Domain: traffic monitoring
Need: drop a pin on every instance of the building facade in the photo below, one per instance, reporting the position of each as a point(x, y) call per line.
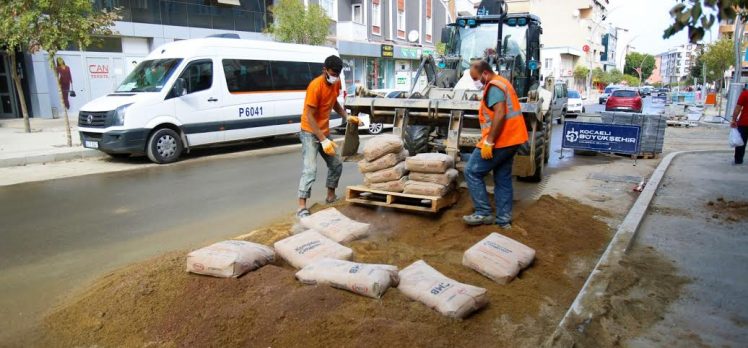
point(656, 76)
point(381, 41)
point(676, 63)
point(573, 35)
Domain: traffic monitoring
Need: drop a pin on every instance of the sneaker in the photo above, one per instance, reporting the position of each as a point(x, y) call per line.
point(505, 226)
point(302, 213)
point(476, 220)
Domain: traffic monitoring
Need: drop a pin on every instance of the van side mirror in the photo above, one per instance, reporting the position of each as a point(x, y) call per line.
point(179, 89)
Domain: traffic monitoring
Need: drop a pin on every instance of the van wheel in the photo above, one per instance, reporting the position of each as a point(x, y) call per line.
point(164, 146)
point(376, 128)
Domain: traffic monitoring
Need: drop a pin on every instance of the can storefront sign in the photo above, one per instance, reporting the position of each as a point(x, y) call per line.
point(388, 51)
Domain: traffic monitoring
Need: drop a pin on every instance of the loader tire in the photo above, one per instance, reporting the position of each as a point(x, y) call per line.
point(417, 139)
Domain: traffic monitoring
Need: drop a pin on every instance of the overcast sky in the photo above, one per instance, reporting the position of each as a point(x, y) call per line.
point(646, 20)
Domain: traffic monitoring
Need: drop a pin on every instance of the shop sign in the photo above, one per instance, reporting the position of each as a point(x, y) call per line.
point(601, 137)
point(98, 71)
point(388, 51)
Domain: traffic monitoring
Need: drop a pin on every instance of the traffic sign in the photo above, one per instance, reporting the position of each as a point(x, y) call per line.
point(586, 48)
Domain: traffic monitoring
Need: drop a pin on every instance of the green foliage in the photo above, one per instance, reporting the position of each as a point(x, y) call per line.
point(697, 67)
point(52, 25)
point(598, 75)
point(718, 57)
point(657, 84)
point(295, 24)
point(441, 48)
point(635, 60)
point(581, 72)
point(690, 14)
point(631, 80)
point(613, 76)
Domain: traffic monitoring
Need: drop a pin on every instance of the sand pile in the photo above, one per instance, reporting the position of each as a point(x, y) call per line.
point(157, 303)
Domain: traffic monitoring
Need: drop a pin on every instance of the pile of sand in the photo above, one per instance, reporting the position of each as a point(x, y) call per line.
point(732, 211)
point(157, 303)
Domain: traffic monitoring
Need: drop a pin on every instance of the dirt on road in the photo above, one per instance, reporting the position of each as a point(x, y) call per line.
point(156, 303)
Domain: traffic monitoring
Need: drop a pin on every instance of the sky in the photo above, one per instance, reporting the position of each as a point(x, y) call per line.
point(646, 20)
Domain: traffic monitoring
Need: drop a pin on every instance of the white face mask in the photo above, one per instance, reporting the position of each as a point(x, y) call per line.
point(332, 79)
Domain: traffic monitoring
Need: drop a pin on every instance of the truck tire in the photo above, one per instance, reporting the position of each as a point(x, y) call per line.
point(540, 154)
point(164, 146)
point(417, 139)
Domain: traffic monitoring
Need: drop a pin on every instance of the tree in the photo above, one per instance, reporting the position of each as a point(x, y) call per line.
point(718, 57)
point(613, 76)
point(295, 24)
point(696, 70)
point(693, 17)
point(599, 76)
point(631, 80)
point(636, 60)
point(50, 25)
point(581, 72)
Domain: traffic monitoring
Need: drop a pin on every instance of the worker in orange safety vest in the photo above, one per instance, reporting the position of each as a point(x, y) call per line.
point(503, 132)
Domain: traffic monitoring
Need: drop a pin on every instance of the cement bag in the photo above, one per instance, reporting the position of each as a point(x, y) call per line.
point(430, 163)
point(306, 247)
point(499, 258)
point(230, 258)
point(385, 175)
point(442, 179)
point(334, 225)
point(422, 283)
point(381, 145)
point(425, 188)
point(364, 279)
point(387, 161)
point(390, 186)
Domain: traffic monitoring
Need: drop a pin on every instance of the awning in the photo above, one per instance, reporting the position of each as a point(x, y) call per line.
point(230, 2)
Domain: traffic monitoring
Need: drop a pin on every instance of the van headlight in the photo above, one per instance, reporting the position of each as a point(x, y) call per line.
point(119, 115)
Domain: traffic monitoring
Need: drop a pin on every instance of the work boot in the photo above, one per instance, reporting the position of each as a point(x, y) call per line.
point(477, 220)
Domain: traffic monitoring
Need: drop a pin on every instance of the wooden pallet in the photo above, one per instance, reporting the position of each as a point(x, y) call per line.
point(430, 204)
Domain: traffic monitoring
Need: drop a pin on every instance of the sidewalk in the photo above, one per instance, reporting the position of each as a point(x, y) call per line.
point(45, 143)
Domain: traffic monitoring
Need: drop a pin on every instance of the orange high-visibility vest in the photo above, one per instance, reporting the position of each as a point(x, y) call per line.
point(513, 131)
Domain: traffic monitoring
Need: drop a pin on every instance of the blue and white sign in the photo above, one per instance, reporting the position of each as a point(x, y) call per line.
point(601, 137)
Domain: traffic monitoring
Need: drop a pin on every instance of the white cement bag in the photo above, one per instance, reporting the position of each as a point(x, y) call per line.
point(387, 161)
point(422, 283)
point(230, 258)
point(442, 179)
point(385, 175)
point(370, 280)
point(430, 163)
point(332, 224)
point(306, 247)
point(425, 189)
point(381, 145)
point(390, 186)
point(499, 258)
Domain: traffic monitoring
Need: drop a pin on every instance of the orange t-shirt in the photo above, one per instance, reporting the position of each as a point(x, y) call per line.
point(322, 96)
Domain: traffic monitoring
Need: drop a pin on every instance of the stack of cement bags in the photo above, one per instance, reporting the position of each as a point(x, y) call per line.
point(431, 174)
point(383, 165)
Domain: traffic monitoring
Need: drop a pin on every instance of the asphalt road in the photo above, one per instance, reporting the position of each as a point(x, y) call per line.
point(58, 235)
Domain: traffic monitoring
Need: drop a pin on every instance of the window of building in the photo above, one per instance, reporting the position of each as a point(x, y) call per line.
point(198, 76)
point(329, 7)
point(548, 63)
point(401, 19)
point(429, 22)
point(358, 14)
point(376, 17)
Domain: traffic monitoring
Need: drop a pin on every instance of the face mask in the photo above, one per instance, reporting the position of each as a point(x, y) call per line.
point(332, 79)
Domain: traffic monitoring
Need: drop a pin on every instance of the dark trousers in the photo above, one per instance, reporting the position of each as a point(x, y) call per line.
point(740, 150)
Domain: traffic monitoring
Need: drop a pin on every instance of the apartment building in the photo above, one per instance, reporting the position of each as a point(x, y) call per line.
point(145, 24)
point(656, 76)
point(381, 41)
point(727, 31)
point(676, 63)
point(574, 33)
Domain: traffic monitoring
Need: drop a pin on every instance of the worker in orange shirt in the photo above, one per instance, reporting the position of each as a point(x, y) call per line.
point(321, 97)
point(503, 131)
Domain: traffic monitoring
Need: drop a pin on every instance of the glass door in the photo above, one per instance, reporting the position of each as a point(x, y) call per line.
point(7, 93)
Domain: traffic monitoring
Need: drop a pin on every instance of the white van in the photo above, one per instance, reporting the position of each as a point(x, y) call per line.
point(204, 91)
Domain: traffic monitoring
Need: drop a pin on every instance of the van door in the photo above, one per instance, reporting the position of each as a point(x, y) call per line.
point(559, 100)
point(197, 108)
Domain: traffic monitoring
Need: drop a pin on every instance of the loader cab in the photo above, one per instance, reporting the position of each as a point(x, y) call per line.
point(512, 47)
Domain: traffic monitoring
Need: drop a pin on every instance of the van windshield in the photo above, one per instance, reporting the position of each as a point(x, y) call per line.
point(149, 76)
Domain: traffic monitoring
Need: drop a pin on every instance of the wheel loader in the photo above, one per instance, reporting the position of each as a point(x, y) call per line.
point(443, 117)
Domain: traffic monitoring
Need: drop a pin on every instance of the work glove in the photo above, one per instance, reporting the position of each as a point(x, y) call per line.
point(486, 151)
point(356, 120)
point(329, 147)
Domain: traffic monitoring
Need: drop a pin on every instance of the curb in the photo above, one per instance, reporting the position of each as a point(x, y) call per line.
point(50, 157)
point(89, 153)
point(580, 313)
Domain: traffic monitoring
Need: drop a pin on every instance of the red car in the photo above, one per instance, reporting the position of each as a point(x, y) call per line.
point(627, 100)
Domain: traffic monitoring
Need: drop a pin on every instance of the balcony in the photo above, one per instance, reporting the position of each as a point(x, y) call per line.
point(351, 31)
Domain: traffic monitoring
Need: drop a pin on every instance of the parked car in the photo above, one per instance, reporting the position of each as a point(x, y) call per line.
point(201, 92)
point(660, 92)
point(646, 91)
point(606, 93)
point(625, 99)
point(558, 103)
point(574, 103)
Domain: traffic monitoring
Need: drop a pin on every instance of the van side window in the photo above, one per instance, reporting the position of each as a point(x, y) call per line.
point(290, 76)
point(198, 76)
point(247, 75)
